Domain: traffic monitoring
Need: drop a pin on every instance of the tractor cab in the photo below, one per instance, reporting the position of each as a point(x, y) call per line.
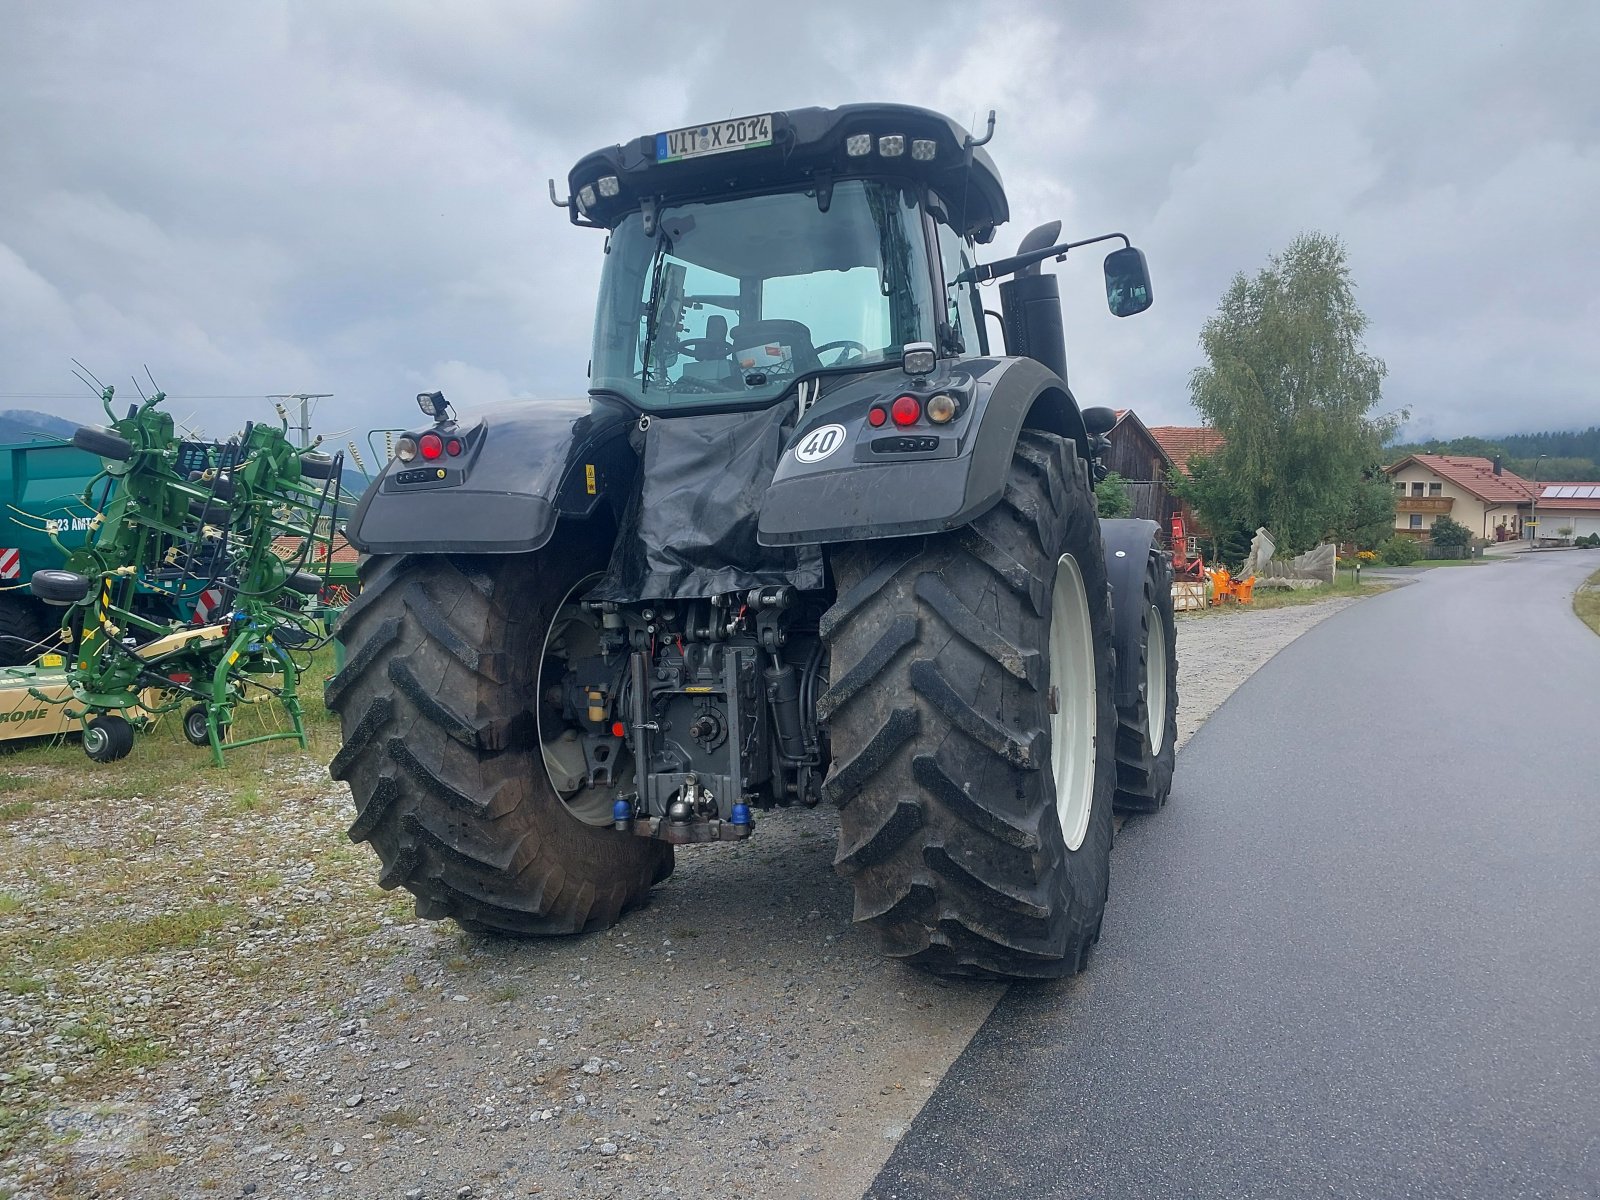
point(744, 255)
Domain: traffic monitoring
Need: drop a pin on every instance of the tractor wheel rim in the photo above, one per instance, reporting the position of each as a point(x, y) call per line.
point(1077, 713)
point(1155, 678)
point(592, 806)
point(94, 740)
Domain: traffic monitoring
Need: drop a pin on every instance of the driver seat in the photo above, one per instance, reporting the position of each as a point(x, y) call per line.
point(754, 345)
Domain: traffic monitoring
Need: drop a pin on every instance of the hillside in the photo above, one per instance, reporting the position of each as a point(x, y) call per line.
point(1567, 455)
point(26, 425)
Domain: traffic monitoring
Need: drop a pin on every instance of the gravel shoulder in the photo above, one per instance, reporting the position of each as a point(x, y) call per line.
point(203, 993)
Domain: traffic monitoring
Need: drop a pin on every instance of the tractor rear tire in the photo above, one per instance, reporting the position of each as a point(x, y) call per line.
point(437, 703)
point(958, 662)
point(24, 626)
point(1147, 731)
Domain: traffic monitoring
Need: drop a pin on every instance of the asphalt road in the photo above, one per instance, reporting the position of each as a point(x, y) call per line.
point(1357, 955)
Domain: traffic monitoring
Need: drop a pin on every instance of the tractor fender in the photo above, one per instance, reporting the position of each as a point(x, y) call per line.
point(1128, 546)
point(840, 479)
point(523, 467)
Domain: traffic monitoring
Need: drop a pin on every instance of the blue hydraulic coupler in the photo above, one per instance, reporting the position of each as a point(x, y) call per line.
point(622, 815)
point(741, 815)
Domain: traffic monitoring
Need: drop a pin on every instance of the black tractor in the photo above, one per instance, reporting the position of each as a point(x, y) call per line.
point(811, 537)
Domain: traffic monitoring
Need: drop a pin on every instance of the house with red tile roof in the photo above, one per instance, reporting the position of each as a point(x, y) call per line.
point(1573, 506)
point(1476, 492)
point(1181, 442)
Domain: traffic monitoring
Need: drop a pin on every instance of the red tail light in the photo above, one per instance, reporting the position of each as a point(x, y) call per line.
point(906, 410)
point(431, 445)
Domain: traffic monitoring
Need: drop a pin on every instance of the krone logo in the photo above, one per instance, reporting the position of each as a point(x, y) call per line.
point(819, 443)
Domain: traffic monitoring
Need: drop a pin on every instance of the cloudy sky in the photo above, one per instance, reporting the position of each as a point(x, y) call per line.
point(350, 197)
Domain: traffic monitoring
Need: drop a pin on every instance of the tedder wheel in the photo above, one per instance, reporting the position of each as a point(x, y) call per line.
point(316, 466)
point(107, 443)
point(438, 700)
point(307, 583)
point(972, 719)
point(107, 738)
point(60, 588)
point(195, 727)
point(1147, 731)
point(24, 627)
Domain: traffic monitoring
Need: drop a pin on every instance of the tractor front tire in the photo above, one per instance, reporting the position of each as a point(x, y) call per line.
point(437, 703)
point(971, 713)
point(1147, 730)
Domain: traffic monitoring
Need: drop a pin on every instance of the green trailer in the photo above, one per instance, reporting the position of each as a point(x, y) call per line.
point(41, 481)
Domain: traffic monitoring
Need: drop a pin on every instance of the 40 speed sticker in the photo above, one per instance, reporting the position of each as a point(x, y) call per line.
point(819, 443)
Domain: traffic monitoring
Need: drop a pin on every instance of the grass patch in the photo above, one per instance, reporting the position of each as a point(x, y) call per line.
point(16, 810)
point(1344, 585)
point(9, 904)
point(1265, 598)
point(1455, 562)
point(152, 935)
point(13, 783)
point(15, 983)
point(1586, 602)
point(114, 1053)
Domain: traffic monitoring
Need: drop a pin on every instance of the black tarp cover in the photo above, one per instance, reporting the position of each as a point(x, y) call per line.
point(691, 529)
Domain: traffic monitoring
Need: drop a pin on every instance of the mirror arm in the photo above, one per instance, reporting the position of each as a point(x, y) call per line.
point(984, 272)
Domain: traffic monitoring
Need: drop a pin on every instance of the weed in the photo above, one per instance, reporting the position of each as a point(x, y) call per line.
point(15, 983)
point(16, 810)
point(400, 1118)
point(123, 938)
point(505, 993)
point(10, 904)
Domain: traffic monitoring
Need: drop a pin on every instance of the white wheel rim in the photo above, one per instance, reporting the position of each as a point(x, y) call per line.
point(1072, 689)
point(1155, 678)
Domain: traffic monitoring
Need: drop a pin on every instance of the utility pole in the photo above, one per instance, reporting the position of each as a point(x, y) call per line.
point(305, 399)
point(1533, 518)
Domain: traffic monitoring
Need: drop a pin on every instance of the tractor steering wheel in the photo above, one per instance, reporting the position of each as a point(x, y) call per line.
point(853, 351)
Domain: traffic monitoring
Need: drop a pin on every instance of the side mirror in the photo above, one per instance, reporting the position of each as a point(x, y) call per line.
point(1127, 282)
point(1099, 421)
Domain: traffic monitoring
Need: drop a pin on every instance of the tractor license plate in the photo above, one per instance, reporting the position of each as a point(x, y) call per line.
point(745, 133)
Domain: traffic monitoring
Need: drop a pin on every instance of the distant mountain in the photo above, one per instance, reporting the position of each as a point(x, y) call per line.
point(26, 425)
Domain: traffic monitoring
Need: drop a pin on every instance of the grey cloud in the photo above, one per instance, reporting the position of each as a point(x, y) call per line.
point(350, 198)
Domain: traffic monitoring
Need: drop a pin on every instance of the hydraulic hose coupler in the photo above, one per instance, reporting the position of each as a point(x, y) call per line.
point(622, 816)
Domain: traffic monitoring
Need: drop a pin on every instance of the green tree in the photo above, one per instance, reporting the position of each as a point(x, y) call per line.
point(1111, 496)
point(1452, 536)
point(1367, 520)
point(1294, 393)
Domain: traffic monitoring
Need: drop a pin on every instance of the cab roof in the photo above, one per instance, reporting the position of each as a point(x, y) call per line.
point(809, 149)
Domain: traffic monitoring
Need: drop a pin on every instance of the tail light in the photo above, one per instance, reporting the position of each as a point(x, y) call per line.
point(905, 410)
point(431, 445)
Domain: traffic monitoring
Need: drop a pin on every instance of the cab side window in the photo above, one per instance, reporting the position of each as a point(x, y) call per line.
point(963, 305)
